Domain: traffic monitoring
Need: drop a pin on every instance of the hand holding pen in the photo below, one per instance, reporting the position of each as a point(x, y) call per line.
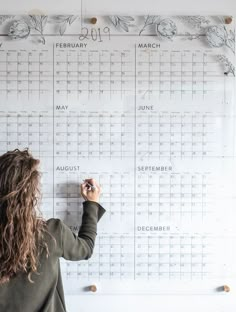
point(90, 190)
point(89, 185)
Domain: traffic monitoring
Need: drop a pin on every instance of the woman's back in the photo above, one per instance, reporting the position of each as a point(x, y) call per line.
point(46, 294)
point(23, 289)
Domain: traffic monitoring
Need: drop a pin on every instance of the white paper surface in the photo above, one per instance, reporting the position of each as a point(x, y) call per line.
point(151, 116)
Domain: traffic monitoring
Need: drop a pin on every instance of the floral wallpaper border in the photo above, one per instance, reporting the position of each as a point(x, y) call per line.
point(216, 35)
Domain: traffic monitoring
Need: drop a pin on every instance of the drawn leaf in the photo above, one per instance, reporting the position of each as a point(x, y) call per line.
point(43, 20)
point(221, 19)
point(151, 19)
point(63, 28)
point(126, 19)
point(38, 22)
point(230, 41)
point(122, 22)
point(231, 44)
point(190, 36)
point(4, 18)
point(63, 21)
point(124, 26)
point(228, 66)
point(196, 21)
point(232, 34)
point(59, 18)
point(33, 21)
point(114, 19)
point(72, 19)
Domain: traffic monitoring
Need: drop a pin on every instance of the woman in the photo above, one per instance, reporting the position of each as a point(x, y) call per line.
point(30, 247)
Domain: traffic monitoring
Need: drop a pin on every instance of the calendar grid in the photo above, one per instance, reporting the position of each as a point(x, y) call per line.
point(154, 258)
point(160, 74)
point(112, 264)
point(72, 132)
point(135, 152)
point(173, 78)
point(53, 129)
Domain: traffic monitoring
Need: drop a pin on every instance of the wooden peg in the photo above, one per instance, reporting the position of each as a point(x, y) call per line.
point(226, 288)
point(93, 288)
point(228, 20)
point(93, 20)
point(36, 12)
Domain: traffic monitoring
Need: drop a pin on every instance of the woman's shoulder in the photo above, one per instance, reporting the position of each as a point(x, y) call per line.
point(54, 226)
point(52, 235)
point(53, 222)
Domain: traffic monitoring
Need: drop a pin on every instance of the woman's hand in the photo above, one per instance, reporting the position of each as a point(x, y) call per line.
point(88, 192)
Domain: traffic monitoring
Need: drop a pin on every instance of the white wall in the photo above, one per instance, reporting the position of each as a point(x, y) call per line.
point(224, 7)
point(211, 303)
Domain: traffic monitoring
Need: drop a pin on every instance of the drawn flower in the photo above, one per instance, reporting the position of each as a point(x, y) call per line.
point(166, 28)
point(19, 30)
point(216, 36)
point(122, 22)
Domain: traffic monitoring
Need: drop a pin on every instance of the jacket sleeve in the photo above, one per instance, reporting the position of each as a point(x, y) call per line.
point(79, 247)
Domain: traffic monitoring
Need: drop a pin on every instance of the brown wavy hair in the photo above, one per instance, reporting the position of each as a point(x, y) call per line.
point(21, 224)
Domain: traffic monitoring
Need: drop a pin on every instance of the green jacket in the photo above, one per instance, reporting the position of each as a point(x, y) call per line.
point(46, 293)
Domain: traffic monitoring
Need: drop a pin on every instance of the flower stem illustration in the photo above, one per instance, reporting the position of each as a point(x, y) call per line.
point(149, 20)
point(122, 22)
point(63, 21)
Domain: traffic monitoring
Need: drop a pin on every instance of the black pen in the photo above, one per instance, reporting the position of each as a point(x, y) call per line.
point(93, 188)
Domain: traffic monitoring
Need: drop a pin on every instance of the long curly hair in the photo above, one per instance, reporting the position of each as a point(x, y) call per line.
point(21, 224)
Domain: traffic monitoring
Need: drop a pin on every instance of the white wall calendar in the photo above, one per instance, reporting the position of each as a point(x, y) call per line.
point(145, 105)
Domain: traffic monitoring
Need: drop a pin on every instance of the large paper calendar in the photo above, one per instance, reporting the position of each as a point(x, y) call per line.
point(145, 105)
